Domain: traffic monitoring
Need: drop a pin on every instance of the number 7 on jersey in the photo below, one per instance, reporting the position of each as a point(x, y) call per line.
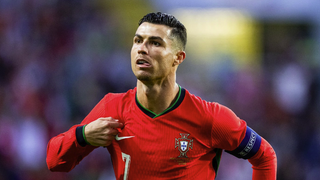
point(127, 159)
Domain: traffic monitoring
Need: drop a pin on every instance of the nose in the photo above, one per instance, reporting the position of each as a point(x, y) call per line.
point(142, 48)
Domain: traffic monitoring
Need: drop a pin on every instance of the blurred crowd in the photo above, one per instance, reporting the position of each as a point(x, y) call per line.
point(58, 58)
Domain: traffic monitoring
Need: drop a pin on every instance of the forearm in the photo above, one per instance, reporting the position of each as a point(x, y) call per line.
point(264, 163)
point(64, 152)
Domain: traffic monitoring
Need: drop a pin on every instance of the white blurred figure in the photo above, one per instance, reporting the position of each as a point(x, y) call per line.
point(291, 85)
point(231, 167)
point(31, 147)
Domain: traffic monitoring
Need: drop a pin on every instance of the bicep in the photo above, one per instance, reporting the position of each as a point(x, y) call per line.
point(249, 145)
point(228, 130)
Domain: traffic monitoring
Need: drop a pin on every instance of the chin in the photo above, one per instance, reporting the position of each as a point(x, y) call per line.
point(144, 78)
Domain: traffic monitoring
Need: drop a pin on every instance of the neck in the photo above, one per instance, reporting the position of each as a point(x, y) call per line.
point(157, 97)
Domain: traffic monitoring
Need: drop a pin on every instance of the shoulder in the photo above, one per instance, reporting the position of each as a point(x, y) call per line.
point(199, 103)
point(213, 110)
point(113, 104)
point(119, 97)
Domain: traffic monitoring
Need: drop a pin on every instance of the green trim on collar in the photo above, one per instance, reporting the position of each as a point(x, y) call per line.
point(154, 115)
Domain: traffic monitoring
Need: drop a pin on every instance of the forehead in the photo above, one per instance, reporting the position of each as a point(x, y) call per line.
point(149, 29)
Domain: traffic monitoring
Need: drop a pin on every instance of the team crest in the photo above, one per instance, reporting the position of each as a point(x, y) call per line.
point(184, 144)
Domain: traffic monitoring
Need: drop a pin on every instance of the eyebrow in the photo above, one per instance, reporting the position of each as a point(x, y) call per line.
point(151, 37)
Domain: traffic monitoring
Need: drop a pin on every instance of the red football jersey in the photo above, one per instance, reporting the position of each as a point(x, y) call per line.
point(183, 142)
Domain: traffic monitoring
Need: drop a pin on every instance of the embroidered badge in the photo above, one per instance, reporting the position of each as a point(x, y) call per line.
point(183, 144)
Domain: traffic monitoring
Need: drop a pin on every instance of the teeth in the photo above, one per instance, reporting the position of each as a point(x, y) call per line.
point(142, 62)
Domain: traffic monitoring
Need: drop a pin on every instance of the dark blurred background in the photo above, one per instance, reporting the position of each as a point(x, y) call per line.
point(59, 57)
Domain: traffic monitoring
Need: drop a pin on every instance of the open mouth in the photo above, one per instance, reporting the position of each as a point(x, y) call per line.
point(143, 62)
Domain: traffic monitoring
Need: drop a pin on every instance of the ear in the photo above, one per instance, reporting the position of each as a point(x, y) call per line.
point(179, 57)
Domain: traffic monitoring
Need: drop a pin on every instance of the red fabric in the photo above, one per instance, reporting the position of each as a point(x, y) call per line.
point(264, 163)
point(179, 144)
point(64, 153)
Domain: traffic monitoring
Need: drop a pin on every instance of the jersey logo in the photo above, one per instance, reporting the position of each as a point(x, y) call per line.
point(184, 144)
point(123, 137)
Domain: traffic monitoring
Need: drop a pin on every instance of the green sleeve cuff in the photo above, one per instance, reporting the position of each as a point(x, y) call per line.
point(84, 136)
point(80, 136)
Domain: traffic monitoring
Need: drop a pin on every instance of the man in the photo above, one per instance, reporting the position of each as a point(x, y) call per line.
point(159, 130)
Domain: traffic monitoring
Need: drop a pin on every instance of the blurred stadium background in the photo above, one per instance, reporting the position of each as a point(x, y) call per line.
point(59, 57)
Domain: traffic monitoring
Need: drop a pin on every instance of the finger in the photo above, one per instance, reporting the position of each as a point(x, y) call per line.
point(111, 122)
point(99, 142)
point(108, 119)
point(112, 132)
point(105, 138)
point(110, 138)
point(114, 124)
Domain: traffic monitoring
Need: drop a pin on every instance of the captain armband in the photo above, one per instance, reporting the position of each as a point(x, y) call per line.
point(249, 145)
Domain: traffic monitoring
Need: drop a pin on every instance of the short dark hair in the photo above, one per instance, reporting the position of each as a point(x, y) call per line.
point(178, 29)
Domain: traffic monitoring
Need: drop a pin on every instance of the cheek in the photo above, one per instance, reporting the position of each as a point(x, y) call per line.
point(132, 55)
point(169, 60)
point(132, 52)
point(166, 63)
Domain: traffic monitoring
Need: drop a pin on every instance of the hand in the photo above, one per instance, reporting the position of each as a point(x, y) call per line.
point(102, 131)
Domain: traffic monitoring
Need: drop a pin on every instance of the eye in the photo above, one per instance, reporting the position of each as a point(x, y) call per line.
point(156, 43)
point(137, 40)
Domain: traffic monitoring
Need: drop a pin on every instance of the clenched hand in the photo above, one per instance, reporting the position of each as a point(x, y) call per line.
point(102, 131)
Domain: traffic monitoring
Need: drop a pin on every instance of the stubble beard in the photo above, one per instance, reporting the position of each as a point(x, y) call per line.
point(144, 77)
point(147, 78)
